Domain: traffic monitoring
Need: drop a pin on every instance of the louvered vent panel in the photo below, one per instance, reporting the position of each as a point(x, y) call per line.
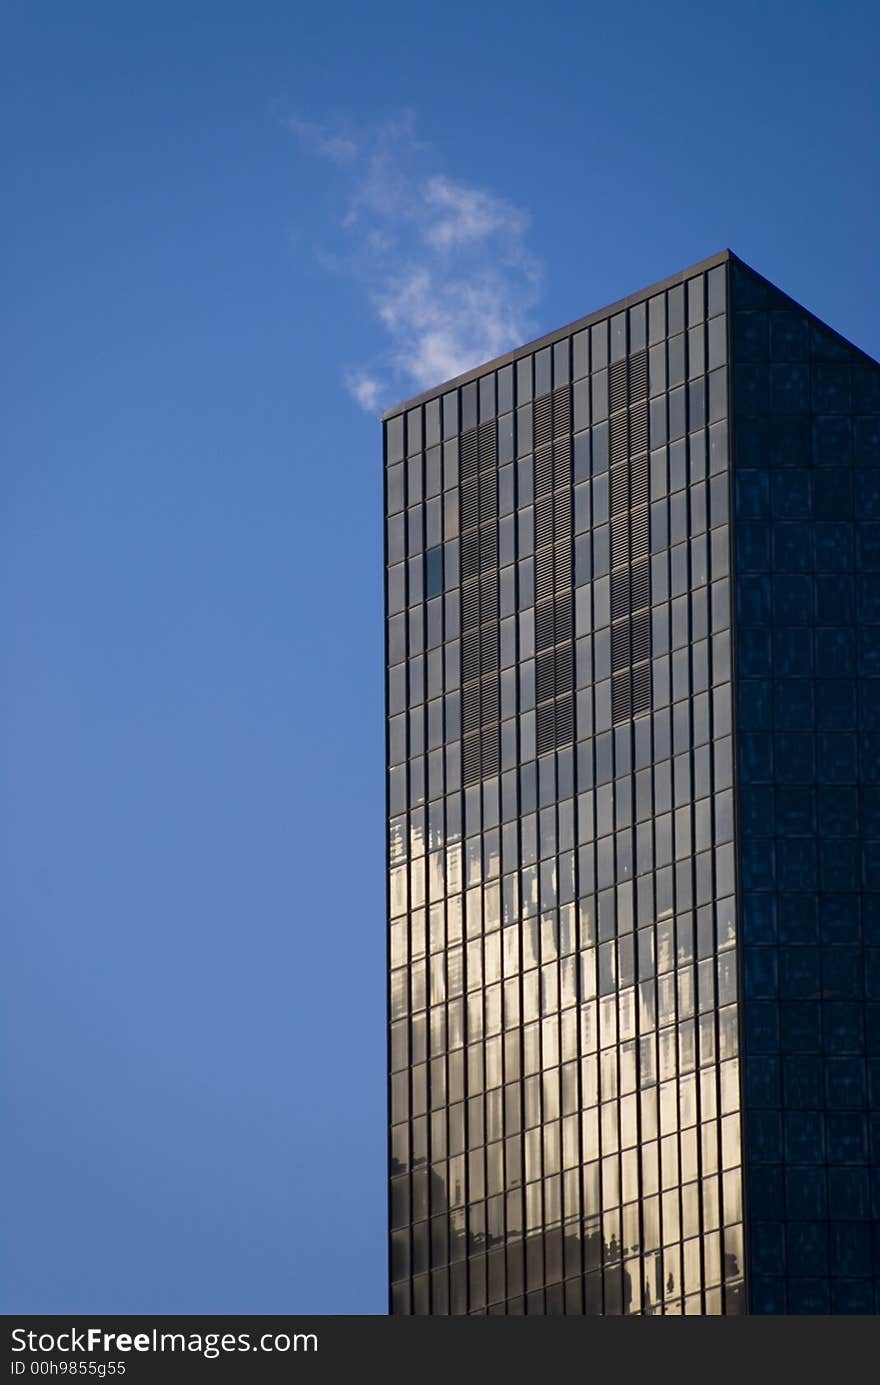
point(543, 521)
point(638, 481)
point(470, 555)
point(620, 594)
point(470, 606)
point(544, 575)
point(641, 689)
point(619, 540)
point(488, 595)
point(562, 462)
point(470, 709)
point(618, 438)
point(469, 508)
point(638, 376)
point(488, 446)
point(545, 675)
point(617, 386)
point(638, 429)
point(490, 699)
point(470, 657)
point(470, 758)
point(619, 488)
point(564, 669)
point(620, 645)
point(545, 625)
point(468, 455)
point(554, 559)
point(621, 696)
point(629, 496)
point(489, 655)
point(562, 566)
point(542, 434)
point(640, 636)
point(638, 534)
point(488, 495)
point(640, 585)
point(562, 513)
point(491, 751)
point(561, 406)
point(545, 727)
point(489, 547)
point(564, 719)
point(543, 472)
point(564, 616)
point(480, 647)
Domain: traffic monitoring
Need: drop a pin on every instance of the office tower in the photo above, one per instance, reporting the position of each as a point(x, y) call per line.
point(633, 686)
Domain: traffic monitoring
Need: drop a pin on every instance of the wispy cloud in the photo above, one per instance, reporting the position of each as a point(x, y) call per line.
point(321, 139)
point(444, 265)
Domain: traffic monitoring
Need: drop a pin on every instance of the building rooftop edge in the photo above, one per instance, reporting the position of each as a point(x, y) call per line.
point(722, 257)
point(558, 333)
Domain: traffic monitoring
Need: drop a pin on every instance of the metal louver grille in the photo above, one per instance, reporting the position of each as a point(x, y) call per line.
point(630, 567)
point(480, 637)
point(554, 621)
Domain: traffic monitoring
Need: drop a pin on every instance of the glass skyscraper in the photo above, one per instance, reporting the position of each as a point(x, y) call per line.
point(633, 735)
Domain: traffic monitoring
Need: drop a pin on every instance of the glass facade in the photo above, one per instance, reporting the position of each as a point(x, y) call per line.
point(564, 1023)
point(807, 449)
point(633, 693)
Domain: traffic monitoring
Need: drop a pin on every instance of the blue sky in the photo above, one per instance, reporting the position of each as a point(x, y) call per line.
point(233, 232)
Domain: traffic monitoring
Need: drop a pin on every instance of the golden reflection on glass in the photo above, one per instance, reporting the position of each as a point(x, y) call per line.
point(454, 930)
point(690, 1207)
point(709, 1148)
point(493, 1010)
point(708, 1052)
point(398, 890)
point(730, 1142)
point(438, 980)
point(531, 1049)
point(492, 907)
point(570, 1142)
point(629, 1175)
point(650, 1162)
point(534, 1206)
point(666, 999)
point(608, 1020)
point(474, 912)
point(568, 982)
point(669, 1173)
point(729, 1073)
point(511, 1004)
point(626, 1014)
point(437, 927)
point(728, 1037)
point(549, 989)
point(668, 1108)
point(398, 944)
point(627, 1062)
point(628, 1121)
point(648, 1107)
point(608, 1073)
point(590, 1134)
point(454, 876)
point(609, 1126)
point(732, 1196)
point(709, 1190)
point(550, 1042)
point(588, 975)
point(529, 892)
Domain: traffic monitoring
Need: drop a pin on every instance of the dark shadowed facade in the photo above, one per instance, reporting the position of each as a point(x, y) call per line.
point(633, 693)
